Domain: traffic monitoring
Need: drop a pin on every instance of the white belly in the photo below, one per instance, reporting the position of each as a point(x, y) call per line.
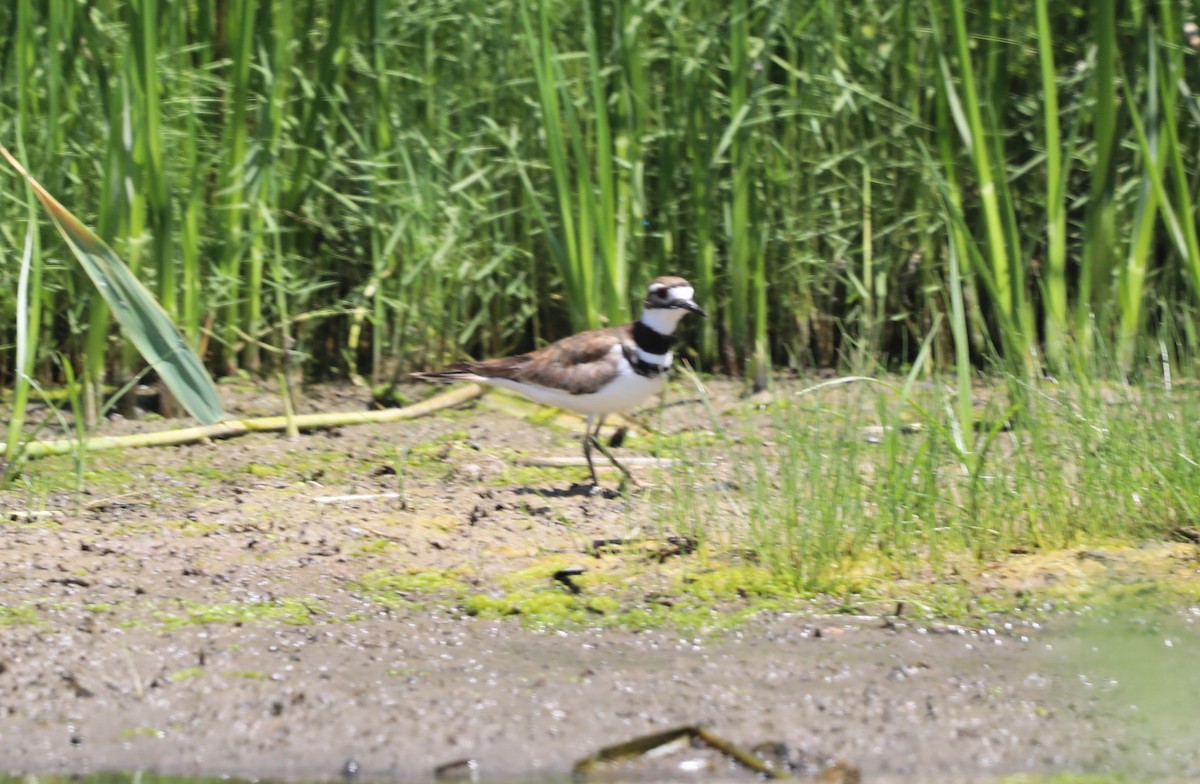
point(625, 392)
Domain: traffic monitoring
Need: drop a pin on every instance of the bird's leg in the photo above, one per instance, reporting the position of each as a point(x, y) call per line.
point(595, 439)
point(587, 448)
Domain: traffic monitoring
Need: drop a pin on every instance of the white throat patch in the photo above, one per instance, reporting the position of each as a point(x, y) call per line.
point(663, 320)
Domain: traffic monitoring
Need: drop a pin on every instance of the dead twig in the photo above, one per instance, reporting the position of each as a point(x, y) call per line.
point(239, 427)
point(639, 747)
point(346, 499)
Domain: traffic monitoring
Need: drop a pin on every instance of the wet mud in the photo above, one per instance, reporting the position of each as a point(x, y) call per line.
point(208, 610)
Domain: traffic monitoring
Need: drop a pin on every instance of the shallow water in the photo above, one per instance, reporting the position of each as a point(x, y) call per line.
point(1093, 699)
point(1139, 669)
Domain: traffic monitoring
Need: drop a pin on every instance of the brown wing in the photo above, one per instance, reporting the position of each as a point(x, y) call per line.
point(577, 364)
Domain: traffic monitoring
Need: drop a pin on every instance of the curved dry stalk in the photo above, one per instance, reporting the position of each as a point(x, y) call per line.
point(238, 427)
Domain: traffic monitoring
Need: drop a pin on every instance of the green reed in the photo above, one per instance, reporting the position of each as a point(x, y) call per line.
point(1055, 306)
point(424, 180)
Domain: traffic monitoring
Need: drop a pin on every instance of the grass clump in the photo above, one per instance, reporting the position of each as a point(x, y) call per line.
point(833, 495)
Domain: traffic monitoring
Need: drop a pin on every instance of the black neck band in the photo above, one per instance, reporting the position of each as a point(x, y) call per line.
point(649, 340)
point(647, 369)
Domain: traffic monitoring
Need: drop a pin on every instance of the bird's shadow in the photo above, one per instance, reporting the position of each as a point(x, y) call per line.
point(576, 490)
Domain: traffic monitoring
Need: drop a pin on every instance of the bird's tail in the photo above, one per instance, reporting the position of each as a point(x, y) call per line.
point(459, 372)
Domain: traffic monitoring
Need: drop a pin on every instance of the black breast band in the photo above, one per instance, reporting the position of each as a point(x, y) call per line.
point(649, 340)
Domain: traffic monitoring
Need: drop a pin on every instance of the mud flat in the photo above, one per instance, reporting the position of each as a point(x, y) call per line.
point(304, 609)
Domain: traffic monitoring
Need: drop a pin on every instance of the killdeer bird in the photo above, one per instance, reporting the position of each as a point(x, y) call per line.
point(594, 373)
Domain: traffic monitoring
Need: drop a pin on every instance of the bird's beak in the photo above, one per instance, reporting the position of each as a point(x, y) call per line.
point(691, 307)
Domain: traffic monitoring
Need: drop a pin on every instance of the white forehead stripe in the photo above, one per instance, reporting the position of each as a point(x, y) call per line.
point(682, 292)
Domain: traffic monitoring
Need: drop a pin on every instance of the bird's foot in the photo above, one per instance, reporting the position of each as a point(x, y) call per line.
point(629, 483)
point(594, 489)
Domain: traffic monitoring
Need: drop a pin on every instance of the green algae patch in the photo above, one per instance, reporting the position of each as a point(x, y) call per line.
point(186, 674)
point(1096, 578)
point(17, 616)
point(554, 608)
point(603, 605)
point(1093, 577)
point(377, 546)
point(519, 475)
point(559, 608)
point(295, 612)
point(620, 591)
point(435, 451)
point(409, 589)
point(737, 582)
point(107, 471)
point(617, 592)
point(539, 607)
point(542, 573)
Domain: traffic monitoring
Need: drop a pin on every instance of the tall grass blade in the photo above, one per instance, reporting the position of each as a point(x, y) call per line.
point(135, 308)
point(993, 195)
point(27, 336)
point(231, 182)
point(570, 245)
point(1055, 307)
point(1152, 197)
point(1099, 243)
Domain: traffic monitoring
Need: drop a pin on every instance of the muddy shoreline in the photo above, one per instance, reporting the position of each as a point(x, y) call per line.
point(397, 695)
point(201, 610)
